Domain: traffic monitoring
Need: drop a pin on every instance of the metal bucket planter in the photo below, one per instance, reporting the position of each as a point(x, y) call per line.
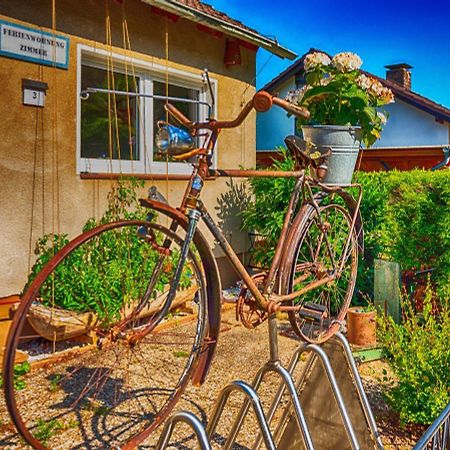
point(344, 142)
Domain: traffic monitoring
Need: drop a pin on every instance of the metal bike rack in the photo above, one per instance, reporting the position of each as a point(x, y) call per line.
point(437, 436)
point(296, 427)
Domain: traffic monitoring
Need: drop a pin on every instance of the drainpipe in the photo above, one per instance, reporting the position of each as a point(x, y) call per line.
point(446, 151)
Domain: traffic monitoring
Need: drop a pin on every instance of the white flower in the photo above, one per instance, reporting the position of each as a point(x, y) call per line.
point(382, 117)
point(346, 62)
point(313, 60)
point(375, 88)
point(387, 96)
point(296, 95)
point(363, 81)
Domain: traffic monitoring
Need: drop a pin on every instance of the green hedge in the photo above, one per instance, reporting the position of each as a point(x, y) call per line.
point(406, 219)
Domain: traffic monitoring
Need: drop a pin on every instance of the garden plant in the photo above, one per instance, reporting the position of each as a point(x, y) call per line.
point(418, 353)
point(337, 92)
point(117, 257)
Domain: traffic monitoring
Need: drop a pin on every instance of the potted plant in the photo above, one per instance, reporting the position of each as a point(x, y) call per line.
point(343, 103)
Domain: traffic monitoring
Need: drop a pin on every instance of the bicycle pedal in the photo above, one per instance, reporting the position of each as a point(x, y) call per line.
point(313, 312)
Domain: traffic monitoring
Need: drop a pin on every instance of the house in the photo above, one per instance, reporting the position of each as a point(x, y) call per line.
point(55, 164)
point(417, 133)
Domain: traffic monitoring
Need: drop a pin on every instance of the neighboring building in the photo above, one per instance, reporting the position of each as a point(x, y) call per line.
point(55, 166)
point(416, 135)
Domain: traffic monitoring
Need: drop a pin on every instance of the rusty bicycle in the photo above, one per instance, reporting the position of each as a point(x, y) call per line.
point(121, 382)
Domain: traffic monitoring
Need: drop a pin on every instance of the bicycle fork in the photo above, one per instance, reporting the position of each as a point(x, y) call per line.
point(194, 217)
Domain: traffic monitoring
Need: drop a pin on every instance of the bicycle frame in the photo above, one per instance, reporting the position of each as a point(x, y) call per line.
point(267, 299)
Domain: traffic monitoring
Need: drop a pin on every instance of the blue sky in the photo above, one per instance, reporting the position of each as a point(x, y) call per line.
point(381, 32)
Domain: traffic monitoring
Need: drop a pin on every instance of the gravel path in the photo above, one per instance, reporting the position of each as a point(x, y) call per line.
point(240, 354)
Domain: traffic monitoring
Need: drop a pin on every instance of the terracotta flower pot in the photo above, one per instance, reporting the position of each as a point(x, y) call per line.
point(361, 327)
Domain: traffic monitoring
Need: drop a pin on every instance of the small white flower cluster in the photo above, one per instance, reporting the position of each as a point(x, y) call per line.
point(382, 117)
point(346, 62)
point(296, 95)
point(375, 88)
point(313, 60)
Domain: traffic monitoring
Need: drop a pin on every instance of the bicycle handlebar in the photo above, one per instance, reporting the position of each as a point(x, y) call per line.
point(262, 101)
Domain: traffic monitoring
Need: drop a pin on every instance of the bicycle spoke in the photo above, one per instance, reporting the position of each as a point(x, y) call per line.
point(320, 253)
point(116, 381)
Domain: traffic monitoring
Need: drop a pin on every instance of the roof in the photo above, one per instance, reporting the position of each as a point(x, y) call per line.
point(199, 12)
point(439, 111)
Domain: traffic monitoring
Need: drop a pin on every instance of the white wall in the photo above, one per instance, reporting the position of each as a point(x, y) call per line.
point(409, 126)
point(273, 126)
point(406, 126)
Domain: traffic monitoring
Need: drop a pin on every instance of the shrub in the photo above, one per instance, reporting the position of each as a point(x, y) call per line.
point(420, 358)
point(406, 218)
point(107, 271)
point(264, 214)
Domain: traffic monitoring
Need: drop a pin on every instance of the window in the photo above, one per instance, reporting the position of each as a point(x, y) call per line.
point(102, 122)
point(116, 131)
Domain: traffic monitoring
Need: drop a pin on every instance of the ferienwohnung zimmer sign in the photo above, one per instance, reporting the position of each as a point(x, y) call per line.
point(17, 41)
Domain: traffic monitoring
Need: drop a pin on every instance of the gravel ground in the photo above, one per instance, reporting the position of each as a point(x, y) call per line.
point(240, 354)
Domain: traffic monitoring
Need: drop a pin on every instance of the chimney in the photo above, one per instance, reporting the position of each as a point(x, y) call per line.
point(400, 74)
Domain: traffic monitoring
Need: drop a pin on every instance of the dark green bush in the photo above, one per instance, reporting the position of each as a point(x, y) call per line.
point(420, 358)
point(264, 214)
point(406, 218)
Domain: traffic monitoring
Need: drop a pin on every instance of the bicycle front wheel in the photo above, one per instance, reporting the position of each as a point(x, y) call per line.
point(109, 367)
point(321, 250)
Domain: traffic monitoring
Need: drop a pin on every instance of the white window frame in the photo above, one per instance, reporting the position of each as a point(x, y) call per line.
point(147, 73)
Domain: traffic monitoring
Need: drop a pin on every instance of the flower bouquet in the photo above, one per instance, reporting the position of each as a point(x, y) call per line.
point(338, 93)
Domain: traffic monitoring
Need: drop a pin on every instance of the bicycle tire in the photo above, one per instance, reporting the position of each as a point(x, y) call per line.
point(310, 261)
point(92, 388)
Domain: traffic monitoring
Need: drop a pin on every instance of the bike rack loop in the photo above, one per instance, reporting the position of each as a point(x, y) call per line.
point(319, 352)
point(191, 420)
point(253, 399)
point(436, 437)
point(360, 389)
point(287, 383)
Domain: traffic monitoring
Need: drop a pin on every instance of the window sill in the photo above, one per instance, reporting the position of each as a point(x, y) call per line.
point(140, 176)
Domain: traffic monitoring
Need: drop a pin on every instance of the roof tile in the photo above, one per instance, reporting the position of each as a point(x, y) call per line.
point(210, 10)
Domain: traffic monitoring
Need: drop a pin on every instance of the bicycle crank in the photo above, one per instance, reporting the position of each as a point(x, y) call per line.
point(247, 310)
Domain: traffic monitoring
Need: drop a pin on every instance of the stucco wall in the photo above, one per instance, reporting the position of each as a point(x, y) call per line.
point(273, 126)
point(409, 126)
point(40, 189)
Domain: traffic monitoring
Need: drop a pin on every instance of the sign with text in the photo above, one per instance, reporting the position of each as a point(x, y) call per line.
point(17, 41)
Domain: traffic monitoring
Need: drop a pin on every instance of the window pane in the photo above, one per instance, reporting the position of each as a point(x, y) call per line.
point(123, 114)
point(190, 110)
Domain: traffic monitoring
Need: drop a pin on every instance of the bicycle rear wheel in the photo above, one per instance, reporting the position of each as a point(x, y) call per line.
point(121, 378)
point(319, 243)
